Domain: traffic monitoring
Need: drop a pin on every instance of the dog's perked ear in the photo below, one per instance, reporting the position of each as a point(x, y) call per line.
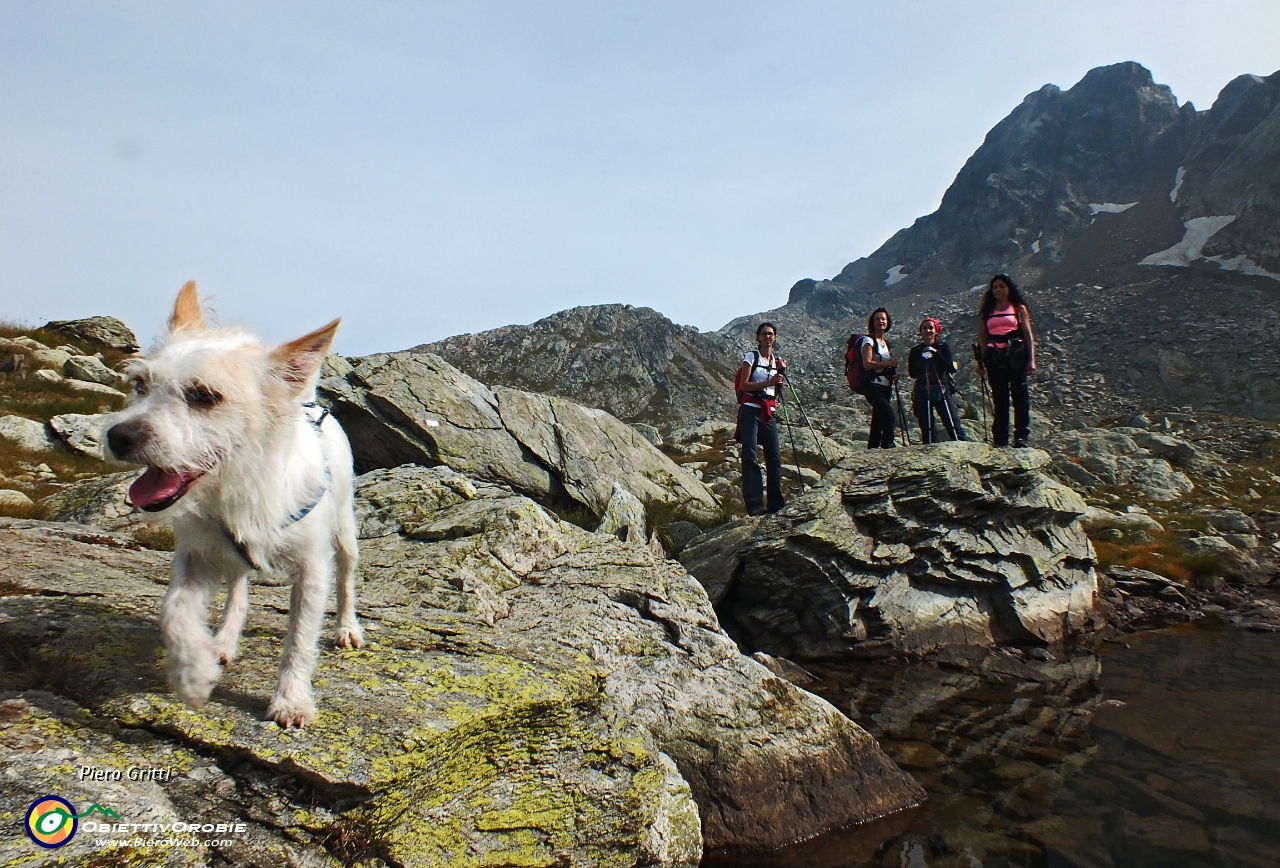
point(187, 315)
point(297, 361)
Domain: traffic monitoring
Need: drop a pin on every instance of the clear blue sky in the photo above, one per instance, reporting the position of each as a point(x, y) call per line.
point(424, 169)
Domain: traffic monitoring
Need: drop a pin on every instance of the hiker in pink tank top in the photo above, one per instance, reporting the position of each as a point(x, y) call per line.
point(1008, 358)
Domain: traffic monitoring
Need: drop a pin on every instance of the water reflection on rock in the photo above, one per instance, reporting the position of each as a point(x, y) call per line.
point(1159, 753)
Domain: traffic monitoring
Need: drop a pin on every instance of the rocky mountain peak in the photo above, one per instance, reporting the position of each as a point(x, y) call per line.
point(1037, 181)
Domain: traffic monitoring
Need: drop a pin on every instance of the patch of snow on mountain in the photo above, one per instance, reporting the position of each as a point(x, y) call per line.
point(1109, 207)
point(1199, 231)
point(1177, 182)
point(893, 275)
point(1035, 245)
point(1243, 264)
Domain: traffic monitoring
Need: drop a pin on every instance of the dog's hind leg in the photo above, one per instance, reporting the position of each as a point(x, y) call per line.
point(227, 640)
point(349, 633)
point(190, 658)
point(293, 704)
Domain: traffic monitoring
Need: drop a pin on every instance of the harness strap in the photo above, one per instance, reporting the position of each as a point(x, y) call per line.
point(237, 544)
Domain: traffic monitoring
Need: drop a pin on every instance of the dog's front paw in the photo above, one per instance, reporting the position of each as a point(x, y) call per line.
point(349, 636)
point(226, 650)
point(194, 678)
point(291, 712)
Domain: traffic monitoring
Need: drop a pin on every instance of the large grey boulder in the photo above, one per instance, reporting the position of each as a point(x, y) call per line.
point(28, 434)
point(530, 694)
point(106, 331)
point(416, 408)
point(632, 362)
point(84, 433)
point(54, 360)
point(624, 517)
point(1230, 520)
point(101, 501)
point(90, 369)
point(94, 388)
point(11, 499)
point(1091, 458)
point(905, 551)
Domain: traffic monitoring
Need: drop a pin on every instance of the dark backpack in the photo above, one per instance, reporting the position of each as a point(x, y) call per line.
point(853, 370)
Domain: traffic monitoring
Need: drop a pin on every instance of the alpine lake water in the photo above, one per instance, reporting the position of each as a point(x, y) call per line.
point(1159, 752)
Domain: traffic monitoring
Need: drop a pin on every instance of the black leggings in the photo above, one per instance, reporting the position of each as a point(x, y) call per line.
point(1007, 376)
point(881, 436)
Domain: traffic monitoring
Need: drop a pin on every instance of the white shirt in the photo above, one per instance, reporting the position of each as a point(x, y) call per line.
point(879, 353)
point(759, 373)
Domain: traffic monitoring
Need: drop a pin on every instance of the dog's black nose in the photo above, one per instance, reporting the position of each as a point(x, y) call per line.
point(125, 438)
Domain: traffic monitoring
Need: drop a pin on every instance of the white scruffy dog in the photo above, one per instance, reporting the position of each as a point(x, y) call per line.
point(254, 476)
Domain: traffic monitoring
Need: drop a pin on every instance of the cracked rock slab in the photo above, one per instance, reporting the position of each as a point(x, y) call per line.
point(906, 551)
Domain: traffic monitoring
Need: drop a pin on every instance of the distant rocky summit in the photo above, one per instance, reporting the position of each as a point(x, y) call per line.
point(1063, 159)
point(631, 361)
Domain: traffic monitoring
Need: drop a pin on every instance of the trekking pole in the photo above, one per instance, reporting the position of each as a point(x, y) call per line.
point(947, 409)
point(805, 413)
point(902, 415)
point(786, 417)
point(982, 378)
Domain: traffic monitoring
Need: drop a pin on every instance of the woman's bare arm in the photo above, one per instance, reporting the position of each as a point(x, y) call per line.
point(1024, 320)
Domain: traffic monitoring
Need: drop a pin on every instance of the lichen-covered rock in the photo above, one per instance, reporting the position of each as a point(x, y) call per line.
point(624, 517)
point(106, 331)
point(530, 694)
point(12, 499)
point(28, 434)
point(101, 502)
point(84, 433)
point(908, 550)
point(416, 408)
point(90, 369)
point(94, 388)
point(53, 359)
point(1090, 458)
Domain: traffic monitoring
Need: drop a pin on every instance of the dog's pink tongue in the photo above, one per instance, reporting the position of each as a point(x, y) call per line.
point(154, 485)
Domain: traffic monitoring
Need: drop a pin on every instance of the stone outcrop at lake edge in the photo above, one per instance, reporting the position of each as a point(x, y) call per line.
point(904, 551)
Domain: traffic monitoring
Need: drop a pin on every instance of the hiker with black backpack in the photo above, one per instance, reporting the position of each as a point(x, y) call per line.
point(871, 370)
point(756, 386)
point(1008, 358)
point(930, 364)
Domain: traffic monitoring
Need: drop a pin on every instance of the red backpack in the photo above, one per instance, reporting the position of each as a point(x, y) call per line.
point(853, 370)
point(737, 378)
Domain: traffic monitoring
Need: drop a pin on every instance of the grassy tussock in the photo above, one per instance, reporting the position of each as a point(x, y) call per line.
point(157, 537)
point(1163, 554)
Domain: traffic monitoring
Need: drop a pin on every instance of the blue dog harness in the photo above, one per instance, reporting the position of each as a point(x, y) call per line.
point(300, 514)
